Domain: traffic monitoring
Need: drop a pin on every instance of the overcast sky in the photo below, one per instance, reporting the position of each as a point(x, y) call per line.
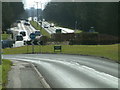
point(31, 3)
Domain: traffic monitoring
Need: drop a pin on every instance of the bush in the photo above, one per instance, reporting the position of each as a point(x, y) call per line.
point(107, 39)
point(87, 38)
point(62, 37)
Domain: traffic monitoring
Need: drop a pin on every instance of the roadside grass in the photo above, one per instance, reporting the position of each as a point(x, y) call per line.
point(78, 31)
point(5, 36)
point(6, 66)
point(44, 32)
point(107, 51)
point(0, 77)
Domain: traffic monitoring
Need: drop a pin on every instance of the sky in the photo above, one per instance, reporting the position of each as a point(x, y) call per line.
point(42, 3)
point(32, 3)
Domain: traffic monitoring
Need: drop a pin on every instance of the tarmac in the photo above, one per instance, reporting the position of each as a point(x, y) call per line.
point(25, 75)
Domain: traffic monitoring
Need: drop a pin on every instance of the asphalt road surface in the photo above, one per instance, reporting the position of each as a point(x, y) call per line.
point(73, 71)
point(27, 29)
point(22, 75)
point(52, 30)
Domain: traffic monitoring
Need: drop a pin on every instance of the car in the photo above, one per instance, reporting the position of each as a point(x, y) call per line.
point(23, 33)
point(40, 22)
point(26, 20)
point(37, 33)
point(27, 24)
point(52, 25)
point(18, 21)
point(19, 38)
point(46, 26)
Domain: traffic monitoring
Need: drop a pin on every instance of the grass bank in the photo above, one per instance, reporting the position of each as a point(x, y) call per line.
point(78, 31)
point(108, 51)
point(6, 66)
point(0, 77)
point(44, 32)
point(5, 36)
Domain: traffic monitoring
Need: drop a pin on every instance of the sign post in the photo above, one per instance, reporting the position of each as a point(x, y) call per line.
point(40, 46)
point(32, 36)
point(32, 46)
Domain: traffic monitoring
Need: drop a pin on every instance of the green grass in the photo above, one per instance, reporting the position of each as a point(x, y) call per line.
point(108, 51)
point(0, 77)
point(78, 31)
point(6, 66)
point(5, 36)
point(44, 32)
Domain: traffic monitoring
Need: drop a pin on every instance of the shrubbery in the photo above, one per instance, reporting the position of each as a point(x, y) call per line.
point(86, 38)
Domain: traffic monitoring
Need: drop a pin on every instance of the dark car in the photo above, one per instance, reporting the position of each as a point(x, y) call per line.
point(7, 43)
point(27, 24)
point(26, 20)
point(19, 38)
point(18, 21)
point(23, 33)
point(37, 33)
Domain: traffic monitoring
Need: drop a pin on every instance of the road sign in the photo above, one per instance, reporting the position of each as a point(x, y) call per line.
point(57, 48)
point(38, 43)
point(32, 42)
point(32, 36)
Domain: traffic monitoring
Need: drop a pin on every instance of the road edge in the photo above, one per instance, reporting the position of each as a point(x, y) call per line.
point(42, 80)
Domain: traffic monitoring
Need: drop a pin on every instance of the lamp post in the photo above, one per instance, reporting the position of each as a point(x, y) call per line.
point(75, 25)
point(37, 12)
point(0, 32)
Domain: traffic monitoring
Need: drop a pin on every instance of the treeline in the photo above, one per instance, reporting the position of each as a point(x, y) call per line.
point(11, 11)
point(103, 16)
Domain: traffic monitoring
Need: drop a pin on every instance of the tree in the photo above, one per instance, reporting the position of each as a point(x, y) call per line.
point(10, 12)
point(103, 16)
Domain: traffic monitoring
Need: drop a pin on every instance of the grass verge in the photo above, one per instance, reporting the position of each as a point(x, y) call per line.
point(6, 66)
point(5, 36)
point(0, 77)
point(78, 31)
point(108, 51)
point(43, 31)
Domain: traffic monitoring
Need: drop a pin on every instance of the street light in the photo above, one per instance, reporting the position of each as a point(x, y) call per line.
point(75, 25)
point(37, 12)
point(0, 32)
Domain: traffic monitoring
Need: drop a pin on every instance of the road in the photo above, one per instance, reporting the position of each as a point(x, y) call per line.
point(30, 29)
point(18, 76)
point(73, 71)
point(27, 29)
point(52, 30)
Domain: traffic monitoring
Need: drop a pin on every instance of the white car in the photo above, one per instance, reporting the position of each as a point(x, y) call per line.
point(52, 25)
point(46, 26)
